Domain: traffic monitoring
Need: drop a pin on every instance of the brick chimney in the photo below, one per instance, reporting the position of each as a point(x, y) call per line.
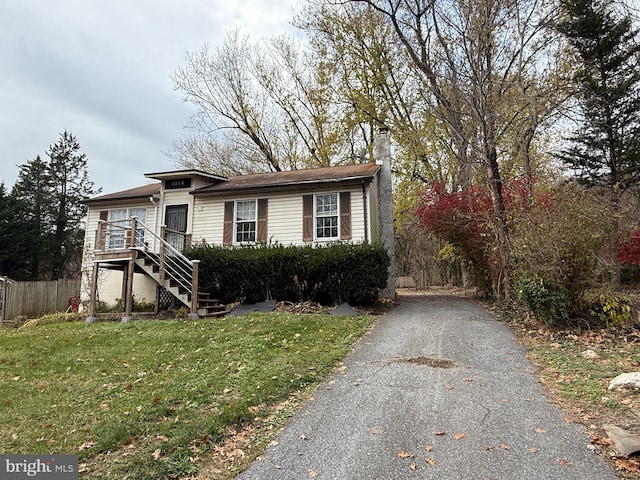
point(385, 206)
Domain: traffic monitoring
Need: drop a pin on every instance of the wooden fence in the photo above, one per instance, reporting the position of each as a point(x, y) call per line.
point(34, 299)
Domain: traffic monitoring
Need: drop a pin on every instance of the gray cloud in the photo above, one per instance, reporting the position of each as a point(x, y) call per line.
point(101, 69)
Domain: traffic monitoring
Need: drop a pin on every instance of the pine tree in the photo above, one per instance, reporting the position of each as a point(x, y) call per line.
point(605, 150)
point(33, 190)
point(70, 185)
point(52, 192)
point(17, 236)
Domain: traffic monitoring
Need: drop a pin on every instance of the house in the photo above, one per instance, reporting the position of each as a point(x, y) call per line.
point(135, 238)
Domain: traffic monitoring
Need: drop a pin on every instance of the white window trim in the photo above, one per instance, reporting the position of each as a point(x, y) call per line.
point(235, 221)
point(316, 216)
point(119, 234)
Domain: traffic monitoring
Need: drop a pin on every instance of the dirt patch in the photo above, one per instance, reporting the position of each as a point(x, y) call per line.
point(428, 361)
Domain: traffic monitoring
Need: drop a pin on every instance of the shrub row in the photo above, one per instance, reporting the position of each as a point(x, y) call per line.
point(332, 274)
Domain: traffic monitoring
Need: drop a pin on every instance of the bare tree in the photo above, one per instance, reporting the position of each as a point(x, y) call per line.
point(477, 58)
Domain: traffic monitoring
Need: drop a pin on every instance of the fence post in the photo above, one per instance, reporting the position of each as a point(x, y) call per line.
point(193, 315)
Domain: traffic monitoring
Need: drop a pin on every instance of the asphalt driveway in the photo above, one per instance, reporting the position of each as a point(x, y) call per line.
point(437, 390)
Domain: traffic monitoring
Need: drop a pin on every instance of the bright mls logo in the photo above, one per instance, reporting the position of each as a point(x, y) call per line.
point(49, 467)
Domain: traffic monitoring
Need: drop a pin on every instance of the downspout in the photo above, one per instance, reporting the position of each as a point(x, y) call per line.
point(365, 203)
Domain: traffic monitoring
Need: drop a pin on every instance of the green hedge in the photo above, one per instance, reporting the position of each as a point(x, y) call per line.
point(332, 274)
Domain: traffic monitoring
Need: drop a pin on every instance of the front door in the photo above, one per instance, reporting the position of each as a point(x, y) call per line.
point(175, 219)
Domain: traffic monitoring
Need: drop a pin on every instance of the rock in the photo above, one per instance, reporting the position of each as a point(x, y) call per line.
point(589, 354)
point(625, 380)
point(625, 442)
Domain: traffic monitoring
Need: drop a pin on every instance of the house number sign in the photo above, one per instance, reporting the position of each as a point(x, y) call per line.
point(177, 183)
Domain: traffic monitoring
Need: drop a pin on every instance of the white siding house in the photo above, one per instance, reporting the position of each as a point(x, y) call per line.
point(130, 234)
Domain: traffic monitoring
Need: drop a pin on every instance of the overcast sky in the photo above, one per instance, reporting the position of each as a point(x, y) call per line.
point(101, 70)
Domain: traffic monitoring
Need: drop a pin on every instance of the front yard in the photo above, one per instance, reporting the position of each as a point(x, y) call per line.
point(163, 399)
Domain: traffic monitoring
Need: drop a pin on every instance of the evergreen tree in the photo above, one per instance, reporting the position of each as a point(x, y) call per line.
point(605, 150)
point(52, 192)
point(70, 185)
point(33, 190)
point(17, 235)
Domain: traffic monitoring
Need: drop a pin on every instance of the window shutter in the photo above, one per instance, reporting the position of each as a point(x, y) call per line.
point(262, 220)
point(227, 231)
point(307, 218)
point(345, 215)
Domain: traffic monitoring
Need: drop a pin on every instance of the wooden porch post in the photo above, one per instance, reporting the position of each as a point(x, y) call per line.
point(93, 293)
point(128, 303)
point(194, 292)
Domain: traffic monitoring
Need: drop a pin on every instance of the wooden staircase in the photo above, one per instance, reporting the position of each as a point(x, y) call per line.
point(177, 282)
point(132, 244)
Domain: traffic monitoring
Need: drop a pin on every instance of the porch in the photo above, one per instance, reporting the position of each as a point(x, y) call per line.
point(131, 247)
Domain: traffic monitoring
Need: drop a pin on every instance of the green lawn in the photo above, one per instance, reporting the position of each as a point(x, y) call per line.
point(145, 399)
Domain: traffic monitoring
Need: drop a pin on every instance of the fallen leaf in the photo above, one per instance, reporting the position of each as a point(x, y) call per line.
point(375, 431)
point(303, 437)
point(540, 430)
point(429, 448)
point(533, 449)
point(568, 420)
point(504, 446)
point(86, 445)
point(156, 454)
point(103, 405)
point(430, 461)
point(490, 449)
point(450, 387)
point(403, 454)
point(162, 438)
point(600, 441)
point(631, 465)
point(440, 433)
point(564, 462)
point(412, 466)
point(468, 379)
point(459, 436)
point(313, 473)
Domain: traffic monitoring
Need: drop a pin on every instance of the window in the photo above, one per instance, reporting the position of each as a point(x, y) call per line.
point(326, 216)
point(120, 222)
point(245, 221)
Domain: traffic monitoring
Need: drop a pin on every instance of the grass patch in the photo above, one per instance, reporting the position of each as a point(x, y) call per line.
point(577, 368)
point(152, 399)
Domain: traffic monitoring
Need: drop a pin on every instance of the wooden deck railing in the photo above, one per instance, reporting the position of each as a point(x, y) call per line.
point(165, 250)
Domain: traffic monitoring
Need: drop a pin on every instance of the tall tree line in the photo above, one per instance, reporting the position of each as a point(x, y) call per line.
point(42, 218)
point(472, 90)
